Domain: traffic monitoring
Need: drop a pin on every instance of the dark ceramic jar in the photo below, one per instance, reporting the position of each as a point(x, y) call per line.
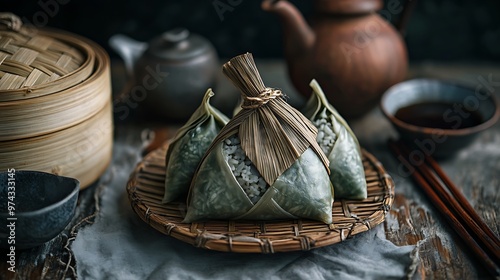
point(171, 73)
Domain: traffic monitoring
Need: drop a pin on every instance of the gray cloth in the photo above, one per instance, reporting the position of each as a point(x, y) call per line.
point(120, 246)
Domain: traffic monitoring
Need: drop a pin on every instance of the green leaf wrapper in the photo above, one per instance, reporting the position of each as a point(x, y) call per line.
point(304, 190)
point(346, 167)
point(188, 147)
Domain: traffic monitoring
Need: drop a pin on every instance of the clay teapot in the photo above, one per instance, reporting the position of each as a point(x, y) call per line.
point(169, 75)
point(352, 51)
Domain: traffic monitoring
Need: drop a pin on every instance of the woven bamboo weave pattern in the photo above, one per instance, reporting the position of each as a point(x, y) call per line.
point(39, 62)
point(28, 61)
point(146, 187)
point(59, 110)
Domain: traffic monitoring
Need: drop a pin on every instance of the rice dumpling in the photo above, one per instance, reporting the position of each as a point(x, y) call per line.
point(340, 144)
point(265, 163)
point(188, 147)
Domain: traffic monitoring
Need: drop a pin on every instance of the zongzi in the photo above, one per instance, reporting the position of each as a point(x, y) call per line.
point(340, 144)
point(188, 147)
point(265, 163)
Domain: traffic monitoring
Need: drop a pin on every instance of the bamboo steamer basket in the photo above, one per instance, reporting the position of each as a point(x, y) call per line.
point(55, 102)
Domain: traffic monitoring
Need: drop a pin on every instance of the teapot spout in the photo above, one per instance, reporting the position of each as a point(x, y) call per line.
point(128, 49)
point(298, 36)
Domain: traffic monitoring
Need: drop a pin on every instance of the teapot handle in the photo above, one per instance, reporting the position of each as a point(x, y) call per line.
point(405, 16)
point(129, 50)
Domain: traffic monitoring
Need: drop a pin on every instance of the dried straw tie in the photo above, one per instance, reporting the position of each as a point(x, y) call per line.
point(253, 102)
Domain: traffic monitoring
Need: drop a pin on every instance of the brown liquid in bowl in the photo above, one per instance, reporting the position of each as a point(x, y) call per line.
point(439, 115)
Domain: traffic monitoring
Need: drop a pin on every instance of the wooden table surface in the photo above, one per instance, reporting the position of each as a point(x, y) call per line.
point(412, 220)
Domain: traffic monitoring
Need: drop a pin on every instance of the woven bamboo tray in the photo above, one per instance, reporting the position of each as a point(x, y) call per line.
point(146, 187)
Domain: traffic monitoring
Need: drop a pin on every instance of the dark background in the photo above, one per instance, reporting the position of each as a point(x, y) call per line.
point(440, 30)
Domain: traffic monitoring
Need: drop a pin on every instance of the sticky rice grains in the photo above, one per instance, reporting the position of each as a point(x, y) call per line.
point(243, 170)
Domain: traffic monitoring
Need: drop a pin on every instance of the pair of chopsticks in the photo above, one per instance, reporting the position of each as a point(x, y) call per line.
point(446, 197)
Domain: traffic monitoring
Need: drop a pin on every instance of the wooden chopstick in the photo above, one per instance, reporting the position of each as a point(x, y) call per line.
point(488, 244)
point(461, 199)
point(476, 245)
point(483, 239)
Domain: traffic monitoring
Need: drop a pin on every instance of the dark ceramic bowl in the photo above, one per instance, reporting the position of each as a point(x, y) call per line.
point(42, 206)
point(470, 111)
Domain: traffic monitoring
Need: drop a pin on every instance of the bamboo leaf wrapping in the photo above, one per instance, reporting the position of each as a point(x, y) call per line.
point(188, 147)
point(280, 142)
point(346, 168)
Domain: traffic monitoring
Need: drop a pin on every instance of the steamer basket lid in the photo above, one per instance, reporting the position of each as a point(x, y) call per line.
point(36, 62)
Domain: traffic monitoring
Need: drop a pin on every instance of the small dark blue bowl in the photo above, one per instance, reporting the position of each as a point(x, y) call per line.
point(41, 206)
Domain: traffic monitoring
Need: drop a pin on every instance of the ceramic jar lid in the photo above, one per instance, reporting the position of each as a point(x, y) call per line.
point(178, 45)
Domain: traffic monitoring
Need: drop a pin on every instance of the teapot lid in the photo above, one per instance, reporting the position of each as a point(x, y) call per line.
point(178, 44)
point(348, 6)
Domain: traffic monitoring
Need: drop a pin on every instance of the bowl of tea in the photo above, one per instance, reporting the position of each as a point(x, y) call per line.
point(439, 117)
